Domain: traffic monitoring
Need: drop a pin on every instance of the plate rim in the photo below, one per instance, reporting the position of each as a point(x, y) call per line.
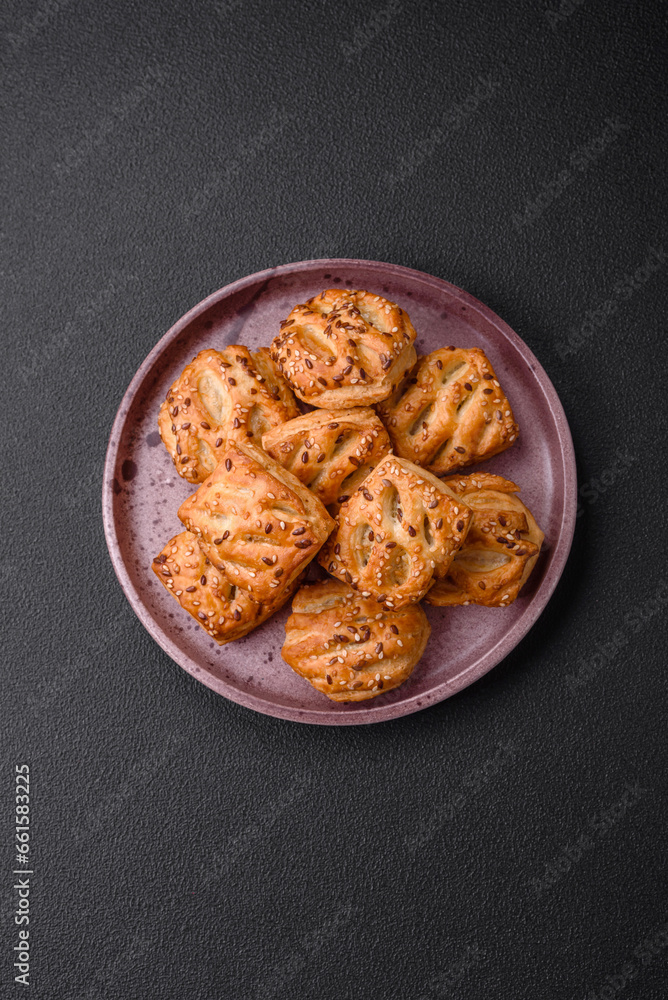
point(376, 712)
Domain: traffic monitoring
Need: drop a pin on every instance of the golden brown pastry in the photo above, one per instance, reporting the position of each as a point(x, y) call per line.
point(344, 348)
point(223, 610)
point(222, 394)
point(500, 549)
point(256, 522)
point(450, 411)
point(330, 451)
point(396, 534)
point(347, 647)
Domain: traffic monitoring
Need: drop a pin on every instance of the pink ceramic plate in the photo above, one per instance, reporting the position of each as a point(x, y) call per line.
point(142, 491)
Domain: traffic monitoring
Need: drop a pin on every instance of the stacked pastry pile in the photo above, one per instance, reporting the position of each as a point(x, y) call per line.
point(356, 486)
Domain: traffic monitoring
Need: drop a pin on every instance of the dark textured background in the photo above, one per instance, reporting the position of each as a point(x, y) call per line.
point(184, 846)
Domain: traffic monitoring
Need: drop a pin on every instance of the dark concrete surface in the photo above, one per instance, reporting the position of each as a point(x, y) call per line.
point(508, 843)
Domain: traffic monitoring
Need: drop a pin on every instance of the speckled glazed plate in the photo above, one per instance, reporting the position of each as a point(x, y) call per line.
point(142, 491)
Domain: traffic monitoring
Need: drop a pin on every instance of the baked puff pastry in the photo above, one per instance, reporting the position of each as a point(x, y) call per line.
point(344, 348)
point(222, 394)
point(396, 534)
point(330, 451)
point(256, 522)
point(348, 648)
point(500, 549)
point(223, 610)
point(450, 411)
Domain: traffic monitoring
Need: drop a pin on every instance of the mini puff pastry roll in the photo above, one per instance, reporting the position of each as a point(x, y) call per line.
point(256, 522)
point(219, 395)
point(396, 534)
point(344, 348)
point(449, 412)
point(347, 647)
point(330, 451)
point(500, 550)
point(223, 610)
